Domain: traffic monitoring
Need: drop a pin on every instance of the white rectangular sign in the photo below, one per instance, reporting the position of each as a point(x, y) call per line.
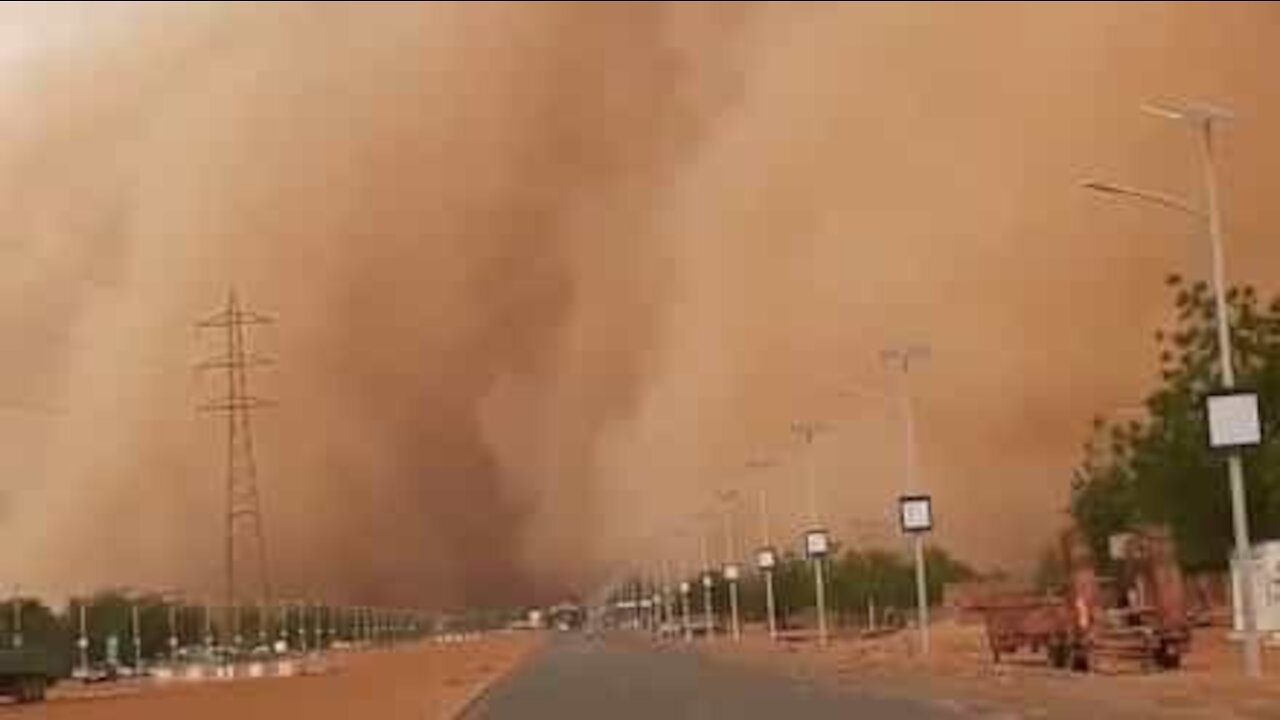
point(766, 559)
point(916, 513)
point(1233, 420)
point(731, 572)
point(816, 543)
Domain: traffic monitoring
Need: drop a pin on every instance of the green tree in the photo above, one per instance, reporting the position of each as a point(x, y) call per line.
point(1161, 470)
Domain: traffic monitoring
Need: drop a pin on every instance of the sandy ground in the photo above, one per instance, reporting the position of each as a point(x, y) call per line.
point(422, 681)
point(959, 674)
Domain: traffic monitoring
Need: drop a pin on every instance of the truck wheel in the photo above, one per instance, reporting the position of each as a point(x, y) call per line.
point(1058, 654)
point(1079, 660)
point(23, 690)
point(1168, 657)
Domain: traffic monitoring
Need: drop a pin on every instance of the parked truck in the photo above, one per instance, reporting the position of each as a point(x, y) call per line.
point(25, 673)
point(1144, 618)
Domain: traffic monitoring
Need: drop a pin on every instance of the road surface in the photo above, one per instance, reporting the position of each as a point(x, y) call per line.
point(618, 680)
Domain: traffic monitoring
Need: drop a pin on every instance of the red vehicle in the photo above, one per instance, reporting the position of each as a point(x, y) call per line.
point(1149, 624)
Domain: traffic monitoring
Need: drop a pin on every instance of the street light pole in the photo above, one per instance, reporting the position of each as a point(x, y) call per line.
point(83, 641)
point(807, 431)
point(173, 629)
point(264, 623)
point(1203, 118)
point(208, 630)
point(17, 618)
point(684, 611)
point(770, 602)
point(730, 563)
point(901, 358)
point(770, 606)
point(708, 611)
point(1235, 464)
point(137, 637)
point(282, 632)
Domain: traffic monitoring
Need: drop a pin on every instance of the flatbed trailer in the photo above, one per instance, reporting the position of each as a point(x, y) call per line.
point(1076, 631)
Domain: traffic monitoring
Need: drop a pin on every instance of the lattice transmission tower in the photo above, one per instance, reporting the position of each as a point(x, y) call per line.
point(245, 539)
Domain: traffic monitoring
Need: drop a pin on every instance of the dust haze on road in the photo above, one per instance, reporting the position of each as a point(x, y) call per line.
point(547, 274)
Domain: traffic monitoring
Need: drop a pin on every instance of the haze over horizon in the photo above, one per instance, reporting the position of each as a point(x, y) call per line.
point(547, 275)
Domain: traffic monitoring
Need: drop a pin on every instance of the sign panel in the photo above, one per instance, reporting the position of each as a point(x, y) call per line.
point(684, 587)
point(766, 558)
point(1234, 421)
point(1118, 545)
point(816, 543)
point(113, 650)
point(707, 580)
point(915, 512)
point(731, 572)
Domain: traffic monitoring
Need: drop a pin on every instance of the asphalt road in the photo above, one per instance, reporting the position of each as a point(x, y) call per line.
point(574, 677)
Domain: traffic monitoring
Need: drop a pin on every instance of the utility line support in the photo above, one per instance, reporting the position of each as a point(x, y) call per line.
point(243, 519)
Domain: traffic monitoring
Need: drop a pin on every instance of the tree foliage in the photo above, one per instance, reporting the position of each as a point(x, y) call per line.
point(1160, 470)
point(855, 579)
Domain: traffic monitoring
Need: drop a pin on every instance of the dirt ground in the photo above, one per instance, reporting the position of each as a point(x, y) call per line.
point(959, 674)
point(420, 681)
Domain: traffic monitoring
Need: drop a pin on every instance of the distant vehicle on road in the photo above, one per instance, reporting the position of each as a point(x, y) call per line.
point(25, 673)
point(566, 617)
point(102, 673)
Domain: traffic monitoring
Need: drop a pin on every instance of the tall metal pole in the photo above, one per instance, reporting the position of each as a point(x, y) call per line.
point(1235, 466)
point(282, 633)
point(668, 608)
point(1202, 118)
point(173, 630)
point(811, 472)
point(902, 357)
point(264, 622)
point(733, 610)
point(822, 599)
point(770, 603)
point(708, 611)
point(302, 627)
point(83, 641)
point(807, 432)
point(208, 630)
point(137, 637)
point(731, 552)
point(17, 618)
point(684, 611)
point(922, 589)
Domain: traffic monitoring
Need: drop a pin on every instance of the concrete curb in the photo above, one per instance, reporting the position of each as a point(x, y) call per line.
point(470, 705)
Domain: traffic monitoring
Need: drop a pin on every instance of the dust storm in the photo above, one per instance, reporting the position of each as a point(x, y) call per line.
point(546, 275)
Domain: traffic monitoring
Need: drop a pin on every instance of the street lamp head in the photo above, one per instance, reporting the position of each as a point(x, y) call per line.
point(808, 429)
point(904, 354)
point(1195, 112)
point(1102, 187)
point(1148, 196)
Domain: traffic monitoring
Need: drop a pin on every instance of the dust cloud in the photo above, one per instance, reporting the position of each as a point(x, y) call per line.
point(547, 275)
